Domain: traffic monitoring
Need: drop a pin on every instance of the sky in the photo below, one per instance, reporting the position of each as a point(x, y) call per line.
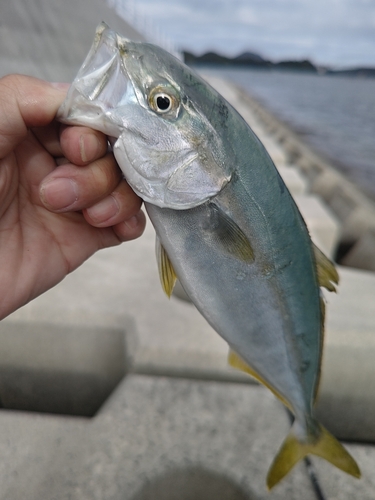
point(339, 33)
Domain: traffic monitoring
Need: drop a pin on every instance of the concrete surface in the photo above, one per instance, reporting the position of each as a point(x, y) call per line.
point(50, 368)
point(294, 181)
point(361, 253)
point(346, 402)
point(323, 226)
point(154, 435)
point(274, 150)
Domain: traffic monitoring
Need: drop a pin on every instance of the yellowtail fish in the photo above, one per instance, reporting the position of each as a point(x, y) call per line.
point(226, 224)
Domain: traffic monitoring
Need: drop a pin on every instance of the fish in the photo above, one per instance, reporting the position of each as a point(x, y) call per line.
point(226, 225)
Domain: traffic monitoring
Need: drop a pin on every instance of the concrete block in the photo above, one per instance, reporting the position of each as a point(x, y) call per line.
point(274, 150)
point(357, 224)
point(59, 369)
point(153, 436)
point(355, 211)
point(294, 181)
point(338, 487)
point(323, 226)
point(346, 403)
point(339, 196)
point(362, 254)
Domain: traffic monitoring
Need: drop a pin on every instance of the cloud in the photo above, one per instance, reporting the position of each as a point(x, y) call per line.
point(247, 15)
point(328, 31)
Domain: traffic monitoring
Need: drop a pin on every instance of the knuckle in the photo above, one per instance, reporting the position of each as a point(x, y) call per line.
point(98, 179)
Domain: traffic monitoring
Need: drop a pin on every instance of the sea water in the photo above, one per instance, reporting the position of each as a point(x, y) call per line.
point(333, 114)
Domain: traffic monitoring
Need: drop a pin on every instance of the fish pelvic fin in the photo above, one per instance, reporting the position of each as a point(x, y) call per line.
point(167, 273)
point(323, 445)
point(327, 273)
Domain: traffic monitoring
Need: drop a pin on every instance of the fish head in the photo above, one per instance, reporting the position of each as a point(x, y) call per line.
point(158, 114)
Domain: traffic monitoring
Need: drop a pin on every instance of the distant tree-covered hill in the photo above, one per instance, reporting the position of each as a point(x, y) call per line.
point(252, 60)
point(247, 59)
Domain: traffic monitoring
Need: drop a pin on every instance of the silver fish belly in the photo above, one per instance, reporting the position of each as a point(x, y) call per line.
point(226, 223)
point(267, 308)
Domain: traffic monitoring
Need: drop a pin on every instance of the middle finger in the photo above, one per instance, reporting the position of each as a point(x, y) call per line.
point(70, 187)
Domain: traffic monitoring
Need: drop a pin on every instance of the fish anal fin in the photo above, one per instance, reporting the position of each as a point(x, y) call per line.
point(325, 446)
point(167, 273)
point(230, 236)
point(235, 361)
point(327, 274)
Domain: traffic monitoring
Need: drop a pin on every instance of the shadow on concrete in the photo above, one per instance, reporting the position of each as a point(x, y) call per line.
point(192, 483)
point(68, 370)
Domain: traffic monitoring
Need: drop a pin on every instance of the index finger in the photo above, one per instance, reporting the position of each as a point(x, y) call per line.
point(25, 102)
point(78, 145)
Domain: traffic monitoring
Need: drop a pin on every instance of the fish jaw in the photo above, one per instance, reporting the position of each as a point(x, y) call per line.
point(185, 184)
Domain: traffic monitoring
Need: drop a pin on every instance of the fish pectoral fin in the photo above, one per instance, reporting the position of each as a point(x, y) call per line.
point(235, 361)
point(230, 236)
point(325, 446)
point(167, 273)
point(327, 274)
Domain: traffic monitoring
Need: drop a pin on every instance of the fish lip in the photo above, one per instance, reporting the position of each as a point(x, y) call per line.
point(100, 84)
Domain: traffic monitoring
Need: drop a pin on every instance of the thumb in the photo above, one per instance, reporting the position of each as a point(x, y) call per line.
point(25, 102)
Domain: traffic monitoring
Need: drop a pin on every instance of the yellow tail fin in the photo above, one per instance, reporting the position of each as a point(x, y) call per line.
point(326, 446)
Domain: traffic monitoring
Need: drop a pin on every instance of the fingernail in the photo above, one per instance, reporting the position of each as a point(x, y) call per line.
point(60, 85)
point(89, 146)
point(59, 194)
point(133, 222)
point(104, 210)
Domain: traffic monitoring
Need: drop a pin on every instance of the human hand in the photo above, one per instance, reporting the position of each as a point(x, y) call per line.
point(62, 196)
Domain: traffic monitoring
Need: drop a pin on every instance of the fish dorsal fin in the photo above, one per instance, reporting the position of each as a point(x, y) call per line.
point(235, 361)
point(230, 236)
point(327, 274)
point(167, 273)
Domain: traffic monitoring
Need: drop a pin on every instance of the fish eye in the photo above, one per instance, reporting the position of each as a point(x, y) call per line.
point(162, 102)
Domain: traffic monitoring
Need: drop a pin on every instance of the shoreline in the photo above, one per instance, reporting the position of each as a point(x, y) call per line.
point(340, 166)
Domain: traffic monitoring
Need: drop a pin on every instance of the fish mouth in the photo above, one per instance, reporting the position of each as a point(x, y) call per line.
point(101, 85)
